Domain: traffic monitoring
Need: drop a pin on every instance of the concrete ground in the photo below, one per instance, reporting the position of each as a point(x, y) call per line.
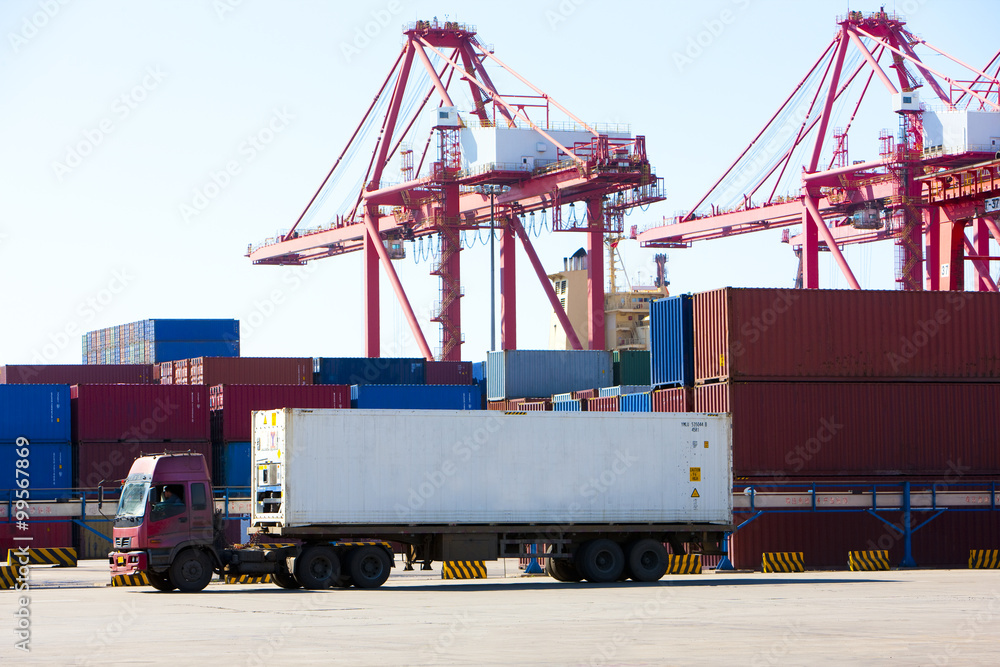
point(922, 617)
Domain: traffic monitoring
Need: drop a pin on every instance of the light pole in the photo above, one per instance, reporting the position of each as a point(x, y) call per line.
point(493, 190)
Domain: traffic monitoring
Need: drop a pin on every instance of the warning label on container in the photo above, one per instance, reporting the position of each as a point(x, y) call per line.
point(694, 494)
point(695, 474)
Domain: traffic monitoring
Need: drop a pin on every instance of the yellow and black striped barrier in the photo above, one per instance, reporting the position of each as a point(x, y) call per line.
point(278, 545)
point(984, 559)
point(59, 556)
point(249, 579)
point(867, 561)
point(783, 561)
point(130, 579)
point(8, 576)
point(684, 564)
point(464, 569)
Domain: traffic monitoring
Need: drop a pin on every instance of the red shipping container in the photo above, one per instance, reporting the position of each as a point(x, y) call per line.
point(213, 371)
point(96, 461)
point(140, 413)
point(534, 406)
point(43, 534)
point(77, 374)
point(497, 405)
point(181, 371)
point(807, 429)
point(448, 372)
point(234, 403)
point(586, 393)
point(678, 399)
point(604, 404)
point(845, 335)
point(825, 538)
point(167, 372)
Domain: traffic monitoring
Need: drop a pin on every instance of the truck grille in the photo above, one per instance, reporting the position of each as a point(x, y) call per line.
point(123, 543)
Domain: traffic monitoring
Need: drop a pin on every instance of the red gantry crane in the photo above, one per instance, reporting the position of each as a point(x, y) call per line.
point(498, 160)
point(937, 177)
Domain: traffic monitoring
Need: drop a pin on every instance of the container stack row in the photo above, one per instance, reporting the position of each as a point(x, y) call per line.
point(154, 341)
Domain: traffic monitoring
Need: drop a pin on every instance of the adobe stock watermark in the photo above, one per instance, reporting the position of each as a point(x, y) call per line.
point(225, 7)
point(634, 622)
point(778, 652)
point(267, 306)
point(108, 637)
point(121, 108)
point(363, 35)
point(753, 329)
point(32, 25)
point(971, 628)
point(926, 330)
point(459, 624)
point(249, 149)
point(712, 29)
point(562, 12)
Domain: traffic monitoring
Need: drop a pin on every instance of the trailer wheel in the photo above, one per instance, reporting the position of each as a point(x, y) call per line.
point(647, 560)
point(344, 580)
point(317, 567)
point(283, 578)
point(600, 561)
point(191, 571)
point(160, 581)
point(368, 566)
point(562, 569)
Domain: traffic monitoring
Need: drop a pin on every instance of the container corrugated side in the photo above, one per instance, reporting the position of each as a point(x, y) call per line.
point(250, 370)
point(542, 373)
point(623, 389)
point(193, 330)
point(568, 406)
point(631, 367)
point(671, 338)
point(77, 374)
point(39, 412)
point(132, 412)
point(604, 404)
point(43, 534)
point(510, 479)
point(846, 335)
point(448, 372)
point(231, 465)
point(676, 399)
point(369, 370)
point(111, 461)
point(415, 397)
point(810, 429)
point(50, 470)
point(535, 406)
point(175, 350)
point(233, 404)
point(636, 402)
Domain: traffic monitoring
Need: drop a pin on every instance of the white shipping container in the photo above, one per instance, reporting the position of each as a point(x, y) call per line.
point(401, 467)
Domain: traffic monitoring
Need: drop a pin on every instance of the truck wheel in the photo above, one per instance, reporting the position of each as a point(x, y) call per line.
point(562, 569)
point(369, 566)
point(160, 581)
point(600, 561)
point(647, 560)
point(283, 578)
point(191, 571)
point(317, 567)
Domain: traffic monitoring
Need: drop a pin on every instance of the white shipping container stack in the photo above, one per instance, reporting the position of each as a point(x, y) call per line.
point(460, 467)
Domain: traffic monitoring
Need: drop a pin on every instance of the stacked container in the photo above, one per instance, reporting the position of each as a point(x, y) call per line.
point(542, 373)
point(415, 397)
point(158, 340)
point(369, 370)
point(211, 371)
point(77, 374)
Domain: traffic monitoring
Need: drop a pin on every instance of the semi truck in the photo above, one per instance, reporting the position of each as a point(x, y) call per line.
point(604, 493)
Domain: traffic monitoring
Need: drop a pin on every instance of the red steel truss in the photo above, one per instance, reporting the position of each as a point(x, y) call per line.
point(608, 172)
point(923, 197)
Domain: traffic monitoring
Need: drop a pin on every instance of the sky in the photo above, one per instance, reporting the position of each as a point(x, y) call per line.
point(148, 143)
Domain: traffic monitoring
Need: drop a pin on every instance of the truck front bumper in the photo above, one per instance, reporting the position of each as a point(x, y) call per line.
point(127, 562)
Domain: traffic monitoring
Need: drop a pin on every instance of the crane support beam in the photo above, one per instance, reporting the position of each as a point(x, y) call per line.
point(595, 274)
point(871, 61)
point(831, 244)
point(435, 79)
point(979, 246)
point(508, 288)
point(543, 277)
point(371, 296)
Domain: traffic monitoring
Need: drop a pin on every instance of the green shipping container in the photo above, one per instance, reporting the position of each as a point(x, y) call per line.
point(631, 367)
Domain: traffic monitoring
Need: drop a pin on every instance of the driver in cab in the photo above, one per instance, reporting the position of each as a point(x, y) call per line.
point(170, 503)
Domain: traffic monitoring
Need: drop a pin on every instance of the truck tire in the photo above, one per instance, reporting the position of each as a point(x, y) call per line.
point(647, 560)
point(368, 566)
point(562, 569)
point(283, 578)
point(600, 561)
point(160, 581)
point(191, 571)
point(317, 568)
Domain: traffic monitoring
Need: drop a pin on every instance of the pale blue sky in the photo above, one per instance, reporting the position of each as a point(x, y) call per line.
point(162, 94)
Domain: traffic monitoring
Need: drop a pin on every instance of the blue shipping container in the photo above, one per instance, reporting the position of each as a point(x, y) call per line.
point(368, 370)
point(50, 466)
point(181, 330)
point(568, 406)
point(172, 350)
point(636, 402)
point(231, 466)
point(543, 373)
point(38, 412)
point(479, 371)
point(604, 392)
point(671, 337)
point(416, 397)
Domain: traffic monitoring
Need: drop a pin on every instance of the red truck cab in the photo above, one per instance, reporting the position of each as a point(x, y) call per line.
point(164, 523)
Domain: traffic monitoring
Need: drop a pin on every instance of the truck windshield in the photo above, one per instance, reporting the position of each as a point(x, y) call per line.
point(133, 501)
